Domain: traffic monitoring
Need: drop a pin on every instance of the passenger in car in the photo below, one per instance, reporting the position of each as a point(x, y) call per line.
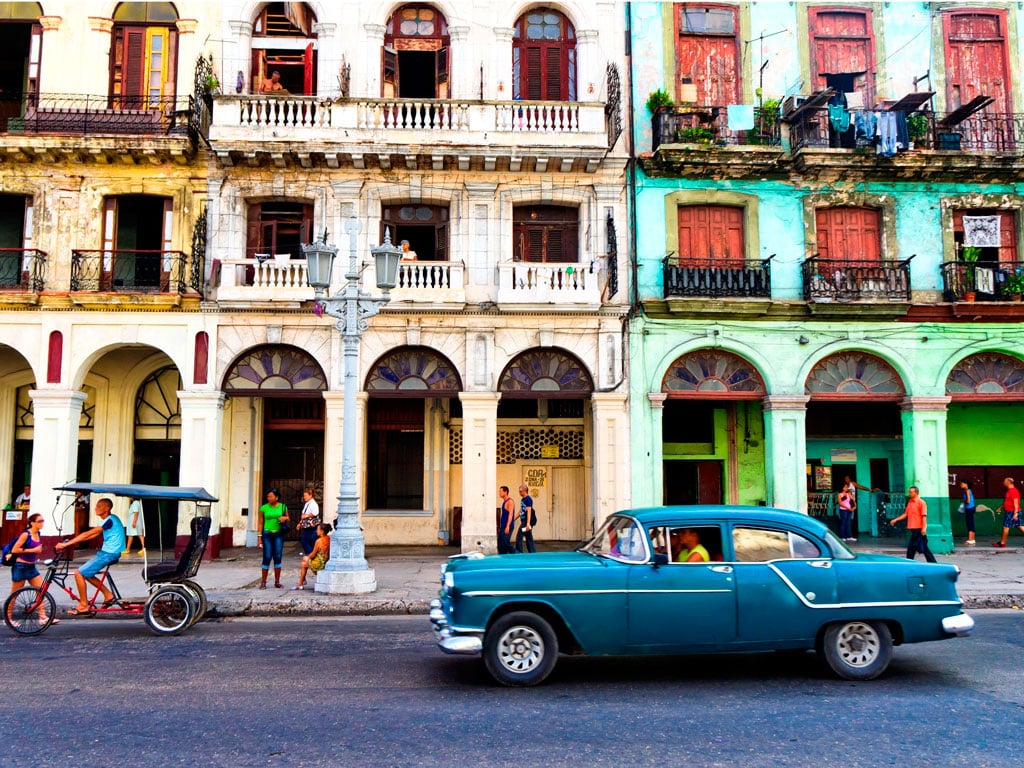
point(686, 541)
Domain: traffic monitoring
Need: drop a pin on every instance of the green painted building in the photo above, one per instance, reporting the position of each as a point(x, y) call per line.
point(827, 263)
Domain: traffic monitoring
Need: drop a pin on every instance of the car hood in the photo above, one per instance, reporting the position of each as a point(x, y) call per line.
point(525, 562)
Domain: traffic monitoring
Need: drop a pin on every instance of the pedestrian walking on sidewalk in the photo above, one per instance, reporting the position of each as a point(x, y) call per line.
point(506, 522)
point(135, 525)
point(1011, 512)
point(969, 507)
point(268, 522)
point(309, 520)
point(527, 518)
point(916, 515)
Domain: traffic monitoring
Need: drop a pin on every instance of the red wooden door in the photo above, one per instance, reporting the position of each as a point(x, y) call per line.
point(707, 53)
point(710, 232)
point(849, 234)
point(976, 59)
point(842, 42)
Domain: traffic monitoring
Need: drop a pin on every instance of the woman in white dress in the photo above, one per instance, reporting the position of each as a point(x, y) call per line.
point(134, 526)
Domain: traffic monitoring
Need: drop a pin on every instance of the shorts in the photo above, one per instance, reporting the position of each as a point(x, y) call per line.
point(24, 571)
point(98, 562)
point(1011, 520)
point(317, 563)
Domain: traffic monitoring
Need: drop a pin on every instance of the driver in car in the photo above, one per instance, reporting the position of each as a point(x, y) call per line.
point(112, 530)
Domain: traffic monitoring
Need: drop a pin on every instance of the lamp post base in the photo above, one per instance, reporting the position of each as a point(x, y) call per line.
point(346, 582)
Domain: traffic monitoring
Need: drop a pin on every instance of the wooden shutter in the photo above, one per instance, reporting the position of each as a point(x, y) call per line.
point(712, 232)
point(259, 70)
point(532, 79)
point(134, 66)
point(167, 235)
point(554, 72)
point(842, 42)
point(307, 70)
point(849, 234)
point(710, 58)
point(441, 74)
point(253, 241)
point(109, 232)
point(441, 242)
point(534, 244)
point(976, 59)
point(389, 81)
point(306, 228)
point(35, 52)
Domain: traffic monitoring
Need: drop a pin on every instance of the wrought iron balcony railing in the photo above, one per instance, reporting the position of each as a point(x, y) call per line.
point(719, 278)
point(840, 280)
point(982, 281)
point(93, 115)
point(22, 269)
point(709, 126)
point(126, 271)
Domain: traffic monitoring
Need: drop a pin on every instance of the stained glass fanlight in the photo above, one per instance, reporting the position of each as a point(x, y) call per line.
point(854, 376)
point(275, 369)
point(713, 373)
point(546, 373)
point(987, 375)
point(413, 369)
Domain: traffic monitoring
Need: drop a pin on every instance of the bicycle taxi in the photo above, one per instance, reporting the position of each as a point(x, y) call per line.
point(175, 601)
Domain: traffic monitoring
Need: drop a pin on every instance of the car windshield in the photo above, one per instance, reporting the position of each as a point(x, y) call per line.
point(620, 538)
point(838, 547)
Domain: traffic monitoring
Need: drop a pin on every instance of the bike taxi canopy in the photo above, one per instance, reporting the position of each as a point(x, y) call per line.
point(181, 493)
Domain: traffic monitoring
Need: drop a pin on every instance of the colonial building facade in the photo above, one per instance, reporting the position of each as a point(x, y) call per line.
point(828, 223)
point(489, 137)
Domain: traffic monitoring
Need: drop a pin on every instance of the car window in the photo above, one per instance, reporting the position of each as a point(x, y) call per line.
point(758, 545)
point(620, 538)
point(684, 544)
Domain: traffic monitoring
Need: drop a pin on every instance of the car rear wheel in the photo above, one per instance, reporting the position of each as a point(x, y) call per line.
point(520, 649)
point(857, 650)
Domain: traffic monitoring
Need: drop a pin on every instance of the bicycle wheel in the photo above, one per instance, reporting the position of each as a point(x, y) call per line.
point(199, 604)
point(27, 614)
point(169, 610)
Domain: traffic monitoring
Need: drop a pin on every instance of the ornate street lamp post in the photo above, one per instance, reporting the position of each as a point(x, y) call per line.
point(346, 571)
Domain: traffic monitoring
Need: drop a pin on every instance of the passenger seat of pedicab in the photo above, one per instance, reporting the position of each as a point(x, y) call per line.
point(188, 563)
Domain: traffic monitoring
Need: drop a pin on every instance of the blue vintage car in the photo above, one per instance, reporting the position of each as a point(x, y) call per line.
point(697, 579)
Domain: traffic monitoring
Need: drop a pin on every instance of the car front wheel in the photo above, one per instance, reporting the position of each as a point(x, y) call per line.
point(520, 649)
point(857, 650)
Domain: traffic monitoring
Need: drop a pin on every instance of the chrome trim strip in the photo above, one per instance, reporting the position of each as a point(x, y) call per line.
point(887, 604)
point(509, 593)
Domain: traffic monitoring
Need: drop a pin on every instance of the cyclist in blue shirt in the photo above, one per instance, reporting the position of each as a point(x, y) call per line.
point(112, 530)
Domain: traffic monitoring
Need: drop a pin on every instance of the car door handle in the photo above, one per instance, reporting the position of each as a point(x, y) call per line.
point(721, 568)
point(820, 563)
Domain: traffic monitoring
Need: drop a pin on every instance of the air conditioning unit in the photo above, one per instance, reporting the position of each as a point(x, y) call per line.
point(793, 101)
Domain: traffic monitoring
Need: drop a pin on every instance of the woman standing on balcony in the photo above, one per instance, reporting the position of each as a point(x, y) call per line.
point(407, 254)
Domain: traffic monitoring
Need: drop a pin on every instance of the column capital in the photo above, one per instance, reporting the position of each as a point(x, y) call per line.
point(504, 34)
point(56, 398)
point(479, 399)
point(657, 399)
point(374, 32)
point(586, 36)
point(324, 29)
point(333, 397)
point(50, 23)
point(925, 403)
point(609, 399)
point(347, 190)
point(458, 34)
point(240, 28)
point(99, 24)
point(186, 26)
point(785, 402)
point(208, 398)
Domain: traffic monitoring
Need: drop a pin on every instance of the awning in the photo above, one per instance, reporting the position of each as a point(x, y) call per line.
point(142, 491)
point(957, 116)
point(911, 101)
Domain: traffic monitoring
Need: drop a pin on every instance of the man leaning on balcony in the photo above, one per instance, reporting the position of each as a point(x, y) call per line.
point(273, 85)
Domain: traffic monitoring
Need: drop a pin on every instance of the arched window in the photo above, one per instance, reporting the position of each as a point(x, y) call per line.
point(854, 376)
point(548, 373)
point(283, 41)
point(417, 371)
point(275, 370)
point(987, 376)
point(544, 57)
point(143, 56)
point(415, 57)
point(713, 373)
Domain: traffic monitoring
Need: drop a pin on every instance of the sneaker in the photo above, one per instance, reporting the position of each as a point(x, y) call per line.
point(970, 542)
point(125, 553)
point(999, 545)
point(853, 540)
point(142, 552)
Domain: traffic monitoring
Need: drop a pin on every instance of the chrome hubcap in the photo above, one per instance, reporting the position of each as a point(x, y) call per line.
point(520, 649)
point(858, 644)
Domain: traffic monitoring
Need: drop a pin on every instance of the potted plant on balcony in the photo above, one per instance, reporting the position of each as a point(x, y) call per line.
point(697, 134)
point(1014, 286)
point(657, 100)
point(969, 255)
point(917, 128)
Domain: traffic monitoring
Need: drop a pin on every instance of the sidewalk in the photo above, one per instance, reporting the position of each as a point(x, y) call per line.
point(409, 577)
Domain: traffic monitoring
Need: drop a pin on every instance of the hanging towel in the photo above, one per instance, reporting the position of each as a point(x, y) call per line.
point(839, 117)
point(982, 231)
point(984, 280)
point(741, 117)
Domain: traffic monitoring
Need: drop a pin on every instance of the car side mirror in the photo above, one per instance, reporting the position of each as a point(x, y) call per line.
point(660, 558)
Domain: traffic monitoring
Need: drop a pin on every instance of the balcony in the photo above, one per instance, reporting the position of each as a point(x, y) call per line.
point(51, 126)
point(565, 286)
point(411, 133)
point(728, 278)
point(22, 270)
point(837, 280)
point(429, 282)
point(263, 281)
point(129, 271)
point(982, 281)
point(708, 126)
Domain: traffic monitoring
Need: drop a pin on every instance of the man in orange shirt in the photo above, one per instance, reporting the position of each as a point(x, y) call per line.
point(916, 515)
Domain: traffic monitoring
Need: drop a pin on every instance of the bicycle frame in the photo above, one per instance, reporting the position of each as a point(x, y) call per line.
point(58, 572)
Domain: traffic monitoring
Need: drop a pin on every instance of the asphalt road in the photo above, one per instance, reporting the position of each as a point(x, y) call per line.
point(376, 692)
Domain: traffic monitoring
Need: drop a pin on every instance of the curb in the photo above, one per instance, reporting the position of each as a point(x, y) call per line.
point(233, 607)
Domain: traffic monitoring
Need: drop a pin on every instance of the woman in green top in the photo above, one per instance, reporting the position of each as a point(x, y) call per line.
point(268, 522)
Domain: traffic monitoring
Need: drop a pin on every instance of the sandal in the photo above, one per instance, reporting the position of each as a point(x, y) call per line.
point(263, 586)
point(82, 613)
point(109, 603)
point(279, 585)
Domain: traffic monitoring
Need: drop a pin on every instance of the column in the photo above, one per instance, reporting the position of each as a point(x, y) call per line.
point(463, 76)
point(187, 54)
point(926, 464)
point(327, 66)
point(500, 87)
point(588, 61)
point(649, 474)
point(373, 38)
point(202, 430)
point(479, 473)
point(55, 454)
point(240, 60)
point(50, 41)
point(785, 439)
point(94, 75)
point(611, 441)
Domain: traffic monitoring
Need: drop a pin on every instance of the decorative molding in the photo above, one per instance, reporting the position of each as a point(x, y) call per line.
point(99, 24)
point(925, 403)
point(657, 400)
point(785, 402)
point(187, 26)
point(50, 23)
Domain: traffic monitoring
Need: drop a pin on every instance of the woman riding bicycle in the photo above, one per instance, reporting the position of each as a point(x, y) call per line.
point(26, 549)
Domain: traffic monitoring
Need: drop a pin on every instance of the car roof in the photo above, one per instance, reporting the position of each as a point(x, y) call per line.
point(723, 513)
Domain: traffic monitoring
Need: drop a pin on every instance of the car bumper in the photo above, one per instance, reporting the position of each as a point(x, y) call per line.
point(959, 625)
point(450, 640)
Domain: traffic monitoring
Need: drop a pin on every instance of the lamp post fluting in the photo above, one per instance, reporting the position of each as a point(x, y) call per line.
point(347, 571)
